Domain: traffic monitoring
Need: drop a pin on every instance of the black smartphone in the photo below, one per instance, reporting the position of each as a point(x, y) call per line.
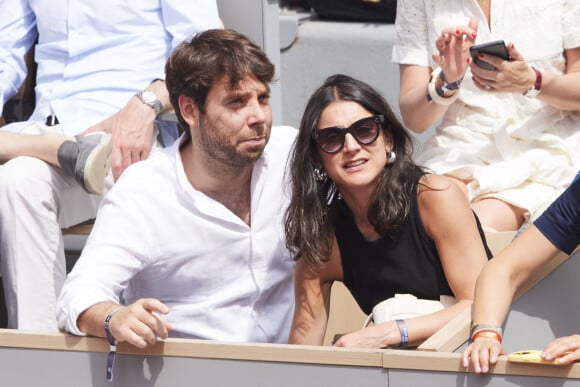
point(495, 48)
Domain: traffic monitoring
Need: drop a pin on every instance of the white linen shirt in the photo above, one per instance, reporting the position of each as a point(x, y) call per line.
point(84, 72)
point(156, 236)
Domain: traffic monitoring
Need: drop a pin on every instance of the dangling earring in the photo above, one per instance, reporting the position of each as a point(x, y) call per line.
point(319, 174)
point(391, 157)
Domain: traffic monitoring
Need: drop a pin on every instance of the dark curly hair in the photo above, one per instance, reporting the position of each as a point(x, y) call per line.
point(308, 219)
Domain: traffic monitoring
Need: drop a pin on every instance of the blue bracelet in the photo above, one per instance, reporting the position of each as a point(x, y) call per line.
point(403, 332)
point(112, 344)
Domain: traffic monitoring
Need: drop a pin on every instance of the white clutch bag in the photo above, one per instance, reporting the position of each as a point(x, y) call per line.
point(404, 306)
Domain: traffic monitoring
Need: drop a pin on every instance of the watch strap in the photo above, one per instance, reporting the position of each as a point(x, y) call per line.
point(533, 91)
point(446, 86)
point(437, 94)
point(150, 99)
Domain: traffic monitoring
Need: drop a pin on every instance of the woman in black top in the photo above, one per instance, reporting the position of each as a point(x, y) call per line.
point(363, 213)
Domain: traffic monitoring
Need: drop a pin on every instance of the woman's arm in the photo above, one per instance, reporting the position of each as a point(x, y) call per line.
point(312, 286)
point(558, 229)
point(563, 91)
point(449, 221)
point(452, 55)
point(496, 287)
point(413, 99)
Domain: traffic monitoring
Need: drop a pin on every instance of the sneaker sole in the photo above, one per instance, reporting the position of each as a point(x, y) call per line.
point(98, 165)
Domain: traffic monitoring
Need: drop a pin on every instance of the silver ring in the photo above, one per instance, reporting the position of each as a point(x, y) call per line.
point(487, 86)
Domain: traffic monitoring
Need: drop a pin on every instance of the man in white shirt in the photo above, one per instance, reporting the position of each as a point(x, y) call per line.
point(193, 237)
point(93, 57)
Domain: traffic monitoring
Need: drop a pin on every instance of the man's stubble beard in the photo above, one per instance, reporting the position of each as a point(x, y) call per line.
point(218, 147)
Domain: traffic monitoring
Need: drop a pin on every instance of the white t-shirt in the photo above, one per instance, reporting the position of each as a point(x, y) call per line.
point(156, 236)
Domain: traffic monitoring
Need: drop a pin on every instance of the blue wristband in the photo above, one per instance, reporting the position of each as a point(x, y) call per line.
point(403, 332)
point(112, 344)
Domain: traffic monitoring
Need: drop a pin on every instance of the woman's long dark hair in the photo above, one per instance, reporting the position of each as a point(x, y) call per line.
point(308, 218)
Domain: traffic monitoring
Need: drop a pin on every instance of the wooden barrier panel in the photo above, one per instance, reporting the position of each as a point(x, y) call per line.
point(417, 368)
point(31, 359)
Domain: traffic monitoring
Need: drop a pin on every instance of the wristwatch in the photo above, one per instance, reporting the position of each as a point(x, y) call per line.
point(150, 99)
point(437, 94)
point(445, 87)
point(533, 91)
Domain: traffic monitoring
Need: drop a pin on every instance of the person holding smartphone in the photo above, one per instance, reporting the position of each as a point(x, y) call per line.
point(507, 134)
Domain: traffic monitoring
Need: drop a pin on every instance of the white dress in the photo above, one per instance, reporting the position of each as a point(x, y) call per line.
point(504, 144)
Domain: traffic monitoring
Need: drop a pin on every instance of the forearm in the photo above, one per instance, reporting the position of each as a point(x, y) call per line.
point(494, 293)
point(91, 321)
point(308, 332)
point(417, 112)
point(561, 91)
point(421, 328)
point(158, 87)
point(310, 319)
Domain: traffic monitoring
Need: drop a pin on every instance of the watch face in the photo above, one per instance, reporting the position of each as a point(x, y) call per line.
point(150, 99)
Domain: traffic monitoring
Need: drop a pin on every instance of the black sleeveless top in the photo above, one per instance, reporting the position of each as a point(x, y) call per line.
point(403, 261)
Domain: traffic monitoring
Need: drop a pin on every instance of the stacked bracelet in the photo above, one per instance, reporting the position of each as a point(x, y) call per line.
point(403, 332)
point(488, 334)
point(436, 94)
point(486, 330)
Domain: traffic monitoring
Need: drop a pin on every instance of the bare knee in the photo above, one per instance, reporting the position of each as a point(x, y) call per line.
point(496, 215)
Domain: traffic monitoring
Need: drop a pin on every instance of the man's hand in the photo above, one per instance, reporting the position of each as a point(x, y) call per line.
point(140, 323)
point(132, 130)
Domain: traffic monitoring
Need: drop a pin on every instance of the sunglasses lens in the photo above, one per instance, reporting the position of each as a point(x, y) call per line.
point(330, 140)
point(365, 132)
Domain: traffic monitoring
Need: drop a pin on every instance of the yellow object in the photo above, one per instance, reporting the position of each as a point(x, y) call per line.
point(530, 356)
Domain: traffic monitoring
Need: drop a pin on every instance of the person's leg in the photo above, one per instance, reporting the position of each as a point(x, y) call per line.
point(84, 158)
point(497, 215)
point(42, 146)
point(36, 200)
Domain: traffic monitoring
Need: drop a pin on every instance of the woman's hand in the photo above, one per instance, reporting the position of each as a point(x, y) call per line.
point(452, 53)
point(375, 336)
point(565, 349)
point(481, 353)
point(513, 76)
